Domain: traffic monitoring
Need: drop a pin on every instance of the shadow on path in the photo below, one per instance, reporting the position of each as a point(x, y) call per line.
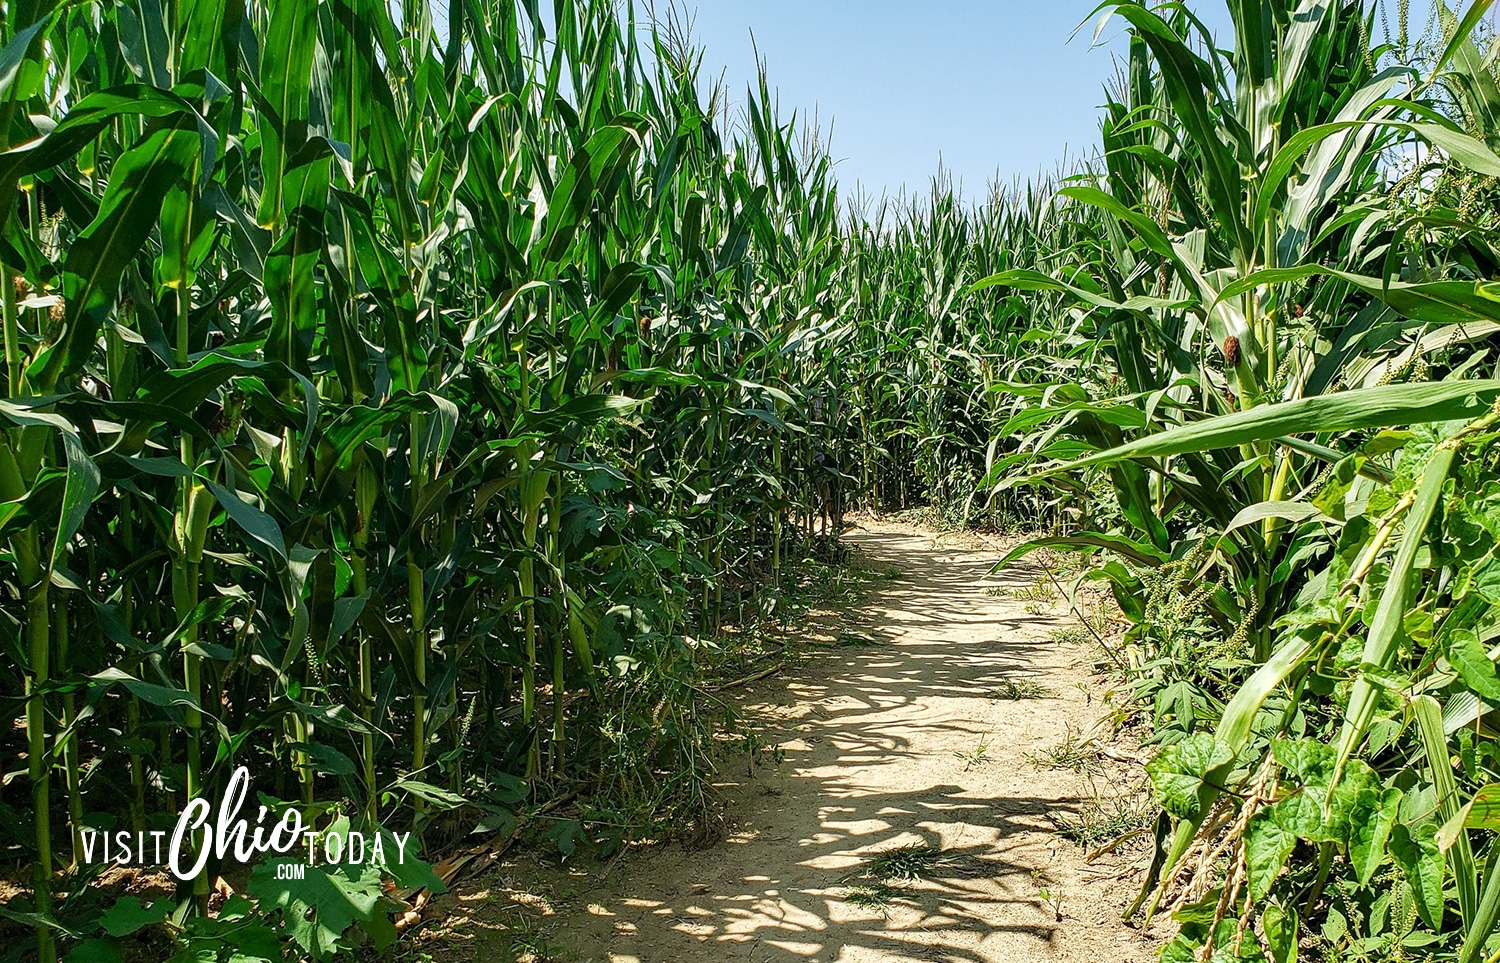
point(894, 744)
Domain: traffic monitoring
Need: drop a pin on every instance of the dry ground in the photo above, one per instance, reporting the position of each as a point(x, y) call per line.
point(898, 743)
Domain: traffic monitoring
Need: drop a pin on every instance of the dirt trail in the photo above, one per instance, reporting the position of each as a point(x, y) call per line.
point(882, 750)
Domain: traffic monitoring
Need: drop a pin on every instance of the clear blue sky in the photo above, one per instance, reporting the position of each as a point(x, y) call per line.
point(985, 85)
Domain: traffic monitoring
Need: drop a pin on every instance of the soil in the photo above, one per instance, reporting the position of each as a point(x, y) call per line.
point(905, 733)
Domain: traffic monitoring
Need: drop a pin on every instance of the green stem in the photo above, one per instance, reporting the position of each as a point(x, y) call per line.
point(364, 498)
point(12, 334)
point(70, 743)
point(192, 529)
point(559, 688)
point(415, 589)
point(39, 643)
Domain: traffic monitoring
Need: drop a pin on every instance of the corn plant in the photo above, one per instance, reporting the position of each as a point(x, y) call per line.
point(384, 408)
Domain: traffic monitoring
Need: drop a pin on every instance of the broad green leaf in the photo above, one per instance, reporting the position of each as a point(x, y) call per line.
point(1415, 850)
point(1267, 845)
point(1370, 826)
point(1469, 656)
point(95, 951)
point(1178, 773)
point(129, 915)
point(1281, 929)
point(319, 908)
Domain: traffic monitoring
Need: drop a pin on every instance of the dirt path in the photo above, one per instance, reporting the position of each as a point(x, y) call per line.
point(896, 744)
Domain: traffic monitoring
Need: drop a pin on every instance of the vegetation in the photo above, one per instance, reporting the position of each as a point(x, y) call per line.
point(398, 415)
point(1286, 323)
point(404, 414)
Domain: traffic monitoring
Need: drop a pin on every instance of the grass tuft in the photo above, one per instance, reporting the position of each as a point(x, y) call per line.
point(1074, 753)
point(1015, 690)
point(871, 895)
point(1104, 820)
point(905, 863)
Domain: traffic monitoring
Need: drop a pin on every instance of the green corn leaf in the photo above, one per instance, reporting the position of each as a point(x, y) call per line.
point(1482, 811)
point(1360, 409)
point(1435, 744)
point(1182, 74)
point(1384, 630)
point(590, 169)
point(157, 695)
point(265, 534)
point(285, 79)
point(291, 267)
point(1479, 927)
point(1124, 546)
point(1463, 31)
point(12, 55)
point(78, 495)
point(140, 180)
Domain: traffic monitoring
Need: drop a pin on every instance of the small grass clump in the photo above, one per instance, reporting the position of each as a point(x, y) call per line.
point(1073, 753)
point(905, 863)
point(871, 896)
point(976, 756)
point(1014, 690)
point(1103, 821)
point(1069, 635)
point(1042, 590)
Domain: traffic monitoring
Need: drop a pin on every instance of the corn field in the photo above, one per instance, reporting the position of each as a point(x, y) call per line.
point(408, 414)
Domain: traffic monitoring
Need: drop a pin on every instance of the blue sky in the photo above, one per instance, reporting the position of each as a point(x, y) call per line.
point(985, 85)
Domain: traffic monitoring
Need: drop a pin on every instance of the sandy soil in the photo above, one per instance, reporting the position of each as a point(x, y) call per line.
point(894, 744)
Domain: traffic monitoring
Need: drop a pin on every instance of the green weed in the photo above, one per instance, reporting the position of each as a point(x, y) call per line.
point(1017, 689)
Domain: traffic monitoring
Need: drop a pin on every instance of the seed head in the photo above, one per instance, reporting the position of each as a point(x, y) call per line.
point(1232, 351)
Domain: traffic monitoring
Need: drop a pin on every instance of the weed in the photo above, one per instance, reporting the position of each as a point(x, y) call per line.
point(1074, 753)
point(1050, 898)
point(905, 863)
point(1106, 819)
point(1042, 590)
point(871, 896)
point(1068, 635)
point(531, 945)
point(973, 757)
point(1015, 690)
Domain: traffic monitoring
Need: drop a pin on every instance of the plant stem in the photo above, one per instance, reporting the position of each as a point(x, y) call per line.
point(39, 643)
point(70, 739)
